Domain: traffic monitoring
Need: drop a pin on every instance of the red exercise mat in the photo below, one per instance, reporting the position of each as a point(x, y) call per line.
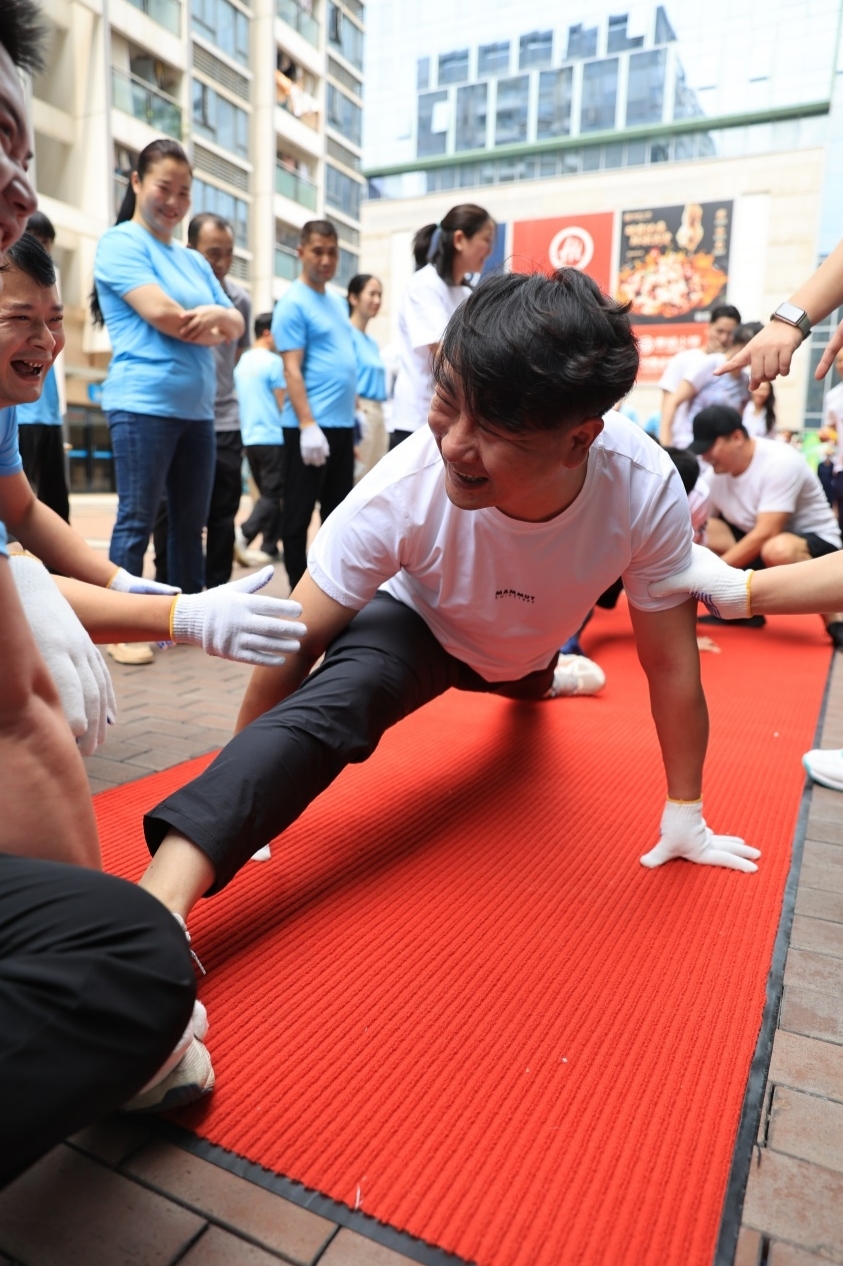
point(454, 998)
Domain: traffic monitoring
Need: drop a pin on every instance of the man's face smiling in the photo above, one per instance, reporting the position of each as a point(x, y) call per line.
point(17, 199)
point(532, 476)
point(31, 336)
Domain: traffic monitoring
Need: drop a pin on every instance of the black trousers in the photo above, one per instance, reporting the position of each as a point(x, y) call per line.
point(42, 454)
point(383, 666)
point(96, 987)
point(225, 502)
point(398, 437)
point(304, 486)
point(266, 462)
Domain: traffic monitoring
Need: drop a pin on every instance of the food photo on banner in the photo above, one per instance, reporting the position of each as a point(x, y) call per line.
point(673, 266)
point(574, 241)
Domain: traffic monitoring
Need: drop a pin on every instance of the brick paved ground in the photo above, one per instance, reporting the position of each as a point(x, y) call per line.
point(121, 1193)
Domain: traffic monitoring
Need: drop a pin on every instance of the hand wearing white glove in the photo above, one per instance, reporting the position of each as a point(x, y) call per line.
point(313, 446)
point(232, 622)
point(725, 590)
point(124, 582)
point(684, 834)
point(77, 668)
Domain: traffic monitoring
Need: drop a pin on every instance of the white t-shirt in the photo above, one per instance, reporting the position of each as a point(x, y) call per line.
point(833, 416)
point(426, 308)
point(499, 594)
point(678, 368)
point(730, 389)
point(777, 480)
point(699, 503)
point(755, 424)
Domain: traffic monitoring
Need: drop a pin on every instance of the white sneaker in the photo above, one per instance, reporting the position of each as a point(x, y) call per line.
point(825, 767)
point(576, 675)
point(191, 1079)
point(245, 555)
point(130, 652)
point(263, 854)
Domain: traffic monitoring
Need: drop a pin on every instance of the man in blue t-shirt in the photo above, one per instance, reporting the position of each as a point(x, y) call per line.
point(41, 436)
point(259, 380)
point(312, 332)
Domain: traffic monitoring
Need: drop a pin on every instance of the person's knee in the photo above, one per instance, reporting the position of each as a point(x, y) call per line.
point(785, 548)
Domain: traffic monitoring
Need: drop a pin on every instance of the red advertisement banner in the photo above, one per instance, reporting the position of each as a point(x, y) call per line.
point(571, 241)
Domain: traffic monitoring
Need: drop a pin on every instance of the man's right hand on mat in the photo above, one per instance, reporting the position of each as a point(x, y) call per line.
point(723, 589)
point(233, 622)
point(684, 834)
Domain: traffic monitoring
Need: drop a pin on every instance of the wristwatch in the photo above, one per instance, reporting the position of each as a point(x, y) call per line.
point(791, 315)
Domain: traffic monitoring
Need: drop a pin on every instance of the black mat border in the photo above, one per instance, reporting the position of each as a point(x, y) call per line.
point(753, 1103)
point(355, 1219)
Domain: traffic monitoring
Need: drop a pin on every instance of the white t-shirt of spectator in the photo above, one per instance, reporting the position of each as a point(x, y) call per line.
point(755, 424)
point(500, 594)
point(699, 504)
point(730, 389)
point(426, 308)
point(833, 416)
point(680, 367)
point(777, 480)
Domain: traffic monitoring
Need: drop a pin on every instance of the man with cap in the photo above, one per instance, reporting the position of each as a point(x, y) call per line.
point(767, 506)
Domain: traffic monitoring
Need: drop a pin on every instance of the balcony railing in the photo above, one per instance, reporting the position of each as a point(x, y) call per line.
point(299, 19)
point(287, 264)
point(166, 12)
point(136, 97)
point(295, 187)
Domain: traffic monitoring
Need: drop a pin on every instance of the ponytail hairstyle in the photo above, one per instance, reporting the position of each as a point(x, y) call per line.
point(151, 154)
point(356, 287)
point(434, 244)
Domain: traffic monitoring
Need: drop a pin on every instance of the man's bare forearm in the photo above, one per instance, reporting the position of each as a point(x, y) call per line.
point(108, 616)
point(297, 393)
point(41, 531)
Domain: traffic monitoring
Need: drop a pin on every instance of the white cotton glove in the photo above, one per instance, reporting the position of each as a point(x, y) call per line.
point(313, 446)
point(723, 589)
point(684, 834)
point(230, 621)
point(77, 668)
point(124, 582)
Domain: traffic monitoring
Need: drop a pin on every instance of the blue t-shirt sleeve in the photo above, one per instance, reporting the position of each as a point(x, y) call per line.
point(123, 263)
point(3, 540)
point(10, 459)
point(289, 325)
point(277, 380)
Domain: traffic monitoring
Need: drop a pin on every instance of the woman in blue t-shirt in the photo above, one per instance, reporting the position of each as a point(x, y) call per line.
point(365, 296)
point(164, 310)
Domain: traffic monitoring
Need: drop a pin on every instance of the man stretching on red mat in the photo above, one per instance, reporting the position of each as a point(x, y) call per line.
point(465, 558)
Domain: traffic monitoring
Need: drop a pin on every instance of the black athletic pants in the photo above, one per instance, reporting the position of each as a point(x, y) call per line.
point(42, 453)
point(96, 987)
point(305, 485)
point(382, 667)
point(225, 502)
point(266, 462)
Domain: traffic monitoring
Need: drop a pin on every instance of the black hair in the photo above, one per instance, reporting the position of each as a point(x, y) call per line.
point(742, 335)
point(263, 322)
point(22, 34)
point(155, 152)
point(687, 465)
point(770, 410)
point(724, 310)
point(198, 222)
point(356, 287)
point(468, 218)
point(317, 228)
point(41, 227)
point(533, 352)
point(30, 257)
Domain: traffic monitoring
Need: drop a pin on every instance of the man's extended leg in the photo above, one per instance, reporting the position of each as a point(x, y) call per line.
point(96, 988)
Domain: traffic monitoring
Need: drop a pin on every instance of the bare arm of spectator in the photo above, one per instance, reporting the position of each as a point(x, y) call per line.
point(768, 524)
point(195, 325)
point(296, 389)
point(682, 395)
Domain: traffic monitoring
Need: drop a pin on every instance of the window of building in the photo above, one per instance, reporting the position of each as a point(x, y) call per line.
point(619, 41)
point(555, 90)
point(224, 25)
point(493, 59)
point(205, 197)
point(582, 42)
point(513, 102)
point(599, 95)
point(453, 67)
point(613, 155)
point(471, 116)
point(591, 158)
point(645, 95)
point(343, 115)
point(342, 192)
point(344, 36)
point(423, 74)
point(536, 49)
point(665, 33)
point(685, 103)
point(215, 118)
point(433, 124)
point(347, 267)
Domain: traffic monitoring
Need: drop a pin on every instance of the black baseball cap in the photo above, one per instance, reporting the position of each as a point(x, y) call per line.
point(711, 423)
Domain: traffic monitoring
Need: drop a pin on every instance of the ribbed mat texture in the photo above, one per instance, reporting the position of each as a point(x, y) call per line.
point(456, 1001)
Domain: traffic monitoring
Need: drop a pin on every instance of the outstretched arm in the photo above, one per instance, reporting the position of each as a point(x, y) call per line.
point(798, 589)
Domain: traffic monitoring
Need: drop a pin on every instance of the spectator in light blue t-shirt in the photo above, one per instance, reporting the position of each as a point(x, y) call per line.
point(365, 295)
point(312, 332)
point(164, 310)
point(259, 380)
